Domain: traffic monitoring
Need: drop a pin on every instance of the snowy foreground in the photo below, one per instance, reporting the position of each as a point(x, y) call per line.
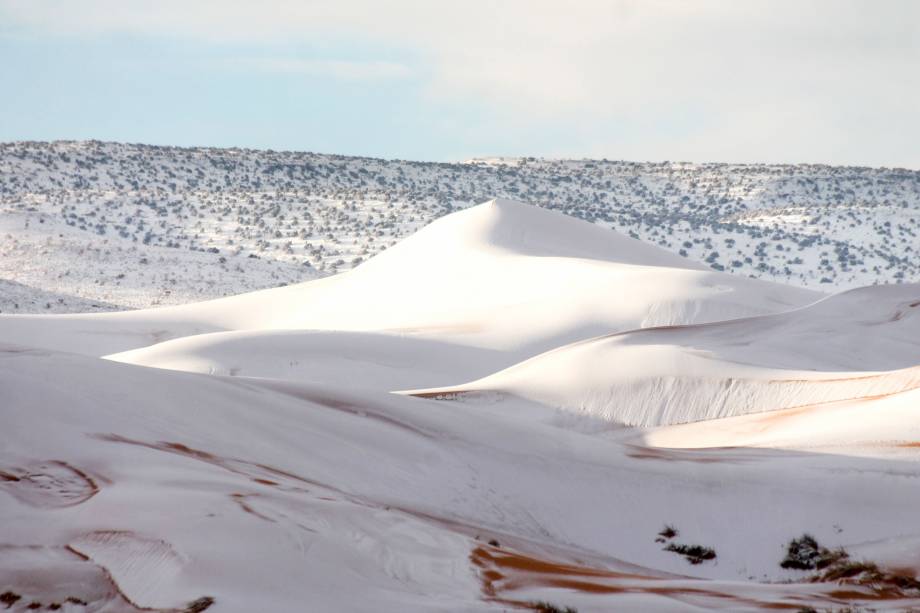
point(505, 408)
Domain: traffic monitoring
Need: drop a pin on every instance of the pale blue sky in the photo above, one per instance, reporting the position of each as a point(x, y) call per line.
point(796, 81)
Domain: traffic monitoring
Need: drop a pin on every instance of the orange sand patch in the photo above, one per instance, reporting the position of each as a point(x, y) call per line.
point(504, 572)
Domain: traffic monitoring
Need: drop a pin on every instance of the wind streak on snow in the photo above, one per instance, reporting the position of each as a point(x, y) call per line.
point(140, 565)
point(43, 577)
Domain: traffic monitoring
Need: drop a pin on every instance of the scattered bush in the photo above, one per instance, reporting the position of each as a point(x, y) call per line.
point(804, 553)
point(695, 554)
point(848, 569)
point(199, 605)
point(867, 573)
point(9, 598)
point(546, 607)
point(668, 532)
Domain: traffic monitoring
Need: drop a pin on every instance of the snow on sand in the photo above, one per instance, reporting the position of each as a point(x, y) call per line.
point(247, 453)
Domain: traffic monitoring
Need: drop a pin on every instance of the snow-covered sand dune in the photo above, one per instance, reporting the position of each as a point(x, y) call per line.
point(473, 293)
point(368, 359)
point(886, 424)
point(264, 464)
point(857, 344)
point(501, 275)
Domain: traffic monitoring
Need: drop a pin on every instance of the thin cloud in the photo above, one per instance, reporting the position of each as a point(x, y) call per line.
point(763, 80)
point(346, 70)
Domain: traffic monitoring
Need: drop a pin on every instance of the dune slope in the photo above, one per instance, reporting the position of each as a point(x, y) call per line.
point(856, 344)
point(501, 275)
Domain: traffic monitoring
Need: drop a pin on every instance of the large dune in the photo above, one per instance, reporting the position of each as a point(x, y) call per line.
point(475, 291)
point(500, 275)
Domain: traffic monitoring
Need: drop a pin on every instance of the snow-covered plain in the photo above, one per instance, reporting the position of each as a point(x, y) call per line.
point(564, 393)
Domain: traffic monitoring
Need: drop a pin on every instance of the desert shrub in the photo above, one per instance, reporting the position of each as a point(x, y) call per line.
point(866, 571)
point(199, 605)
point(804, 553)
point(546, 607)
point(668, 532)
point(9, 598)
point(695, 554)
point(801, 553)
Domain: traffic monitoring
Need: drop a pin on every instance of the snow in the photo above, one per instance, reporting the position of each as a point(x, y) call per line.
point(860, 343)
point(137, 226)
point(473, 279)
point(52, 267)
point(249, 449)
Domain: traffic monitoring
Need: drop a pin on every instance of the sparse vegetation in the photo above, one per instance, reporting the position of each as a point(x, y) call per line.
point(668, 532)
point(695, 554)
point(198, 605)
point(804, 553)
point(278, 216)
point(546, 607)
point(9, 598)
point(868, 573)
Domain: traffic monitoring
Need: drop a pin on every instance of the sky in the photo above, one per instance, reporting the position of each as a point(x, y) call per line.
point(787, 81)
